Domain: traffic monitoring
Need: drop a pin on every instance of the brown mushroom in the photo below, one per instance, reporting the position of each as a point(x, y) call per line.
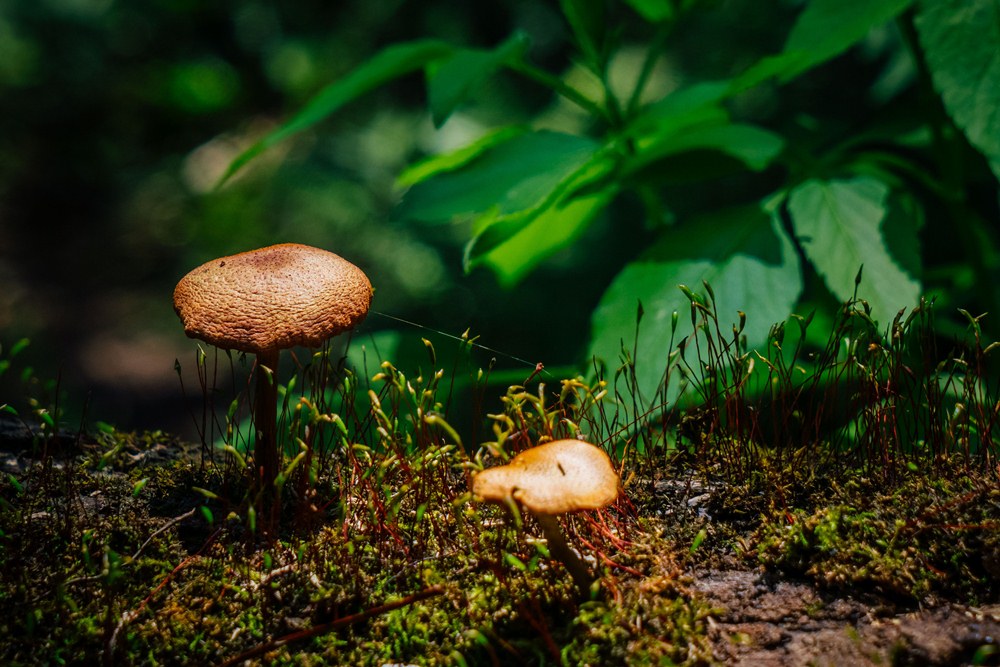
point(266, 300)
point(552, 479)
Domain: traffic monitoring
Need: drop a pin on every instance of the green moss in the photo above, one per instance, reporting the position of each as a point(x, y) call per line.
point(927, 536)
point(142, 547)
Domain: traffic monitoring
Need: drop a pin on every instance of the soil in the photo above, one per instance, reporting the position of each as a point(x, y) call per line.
point(768, 618)
point(769, 621)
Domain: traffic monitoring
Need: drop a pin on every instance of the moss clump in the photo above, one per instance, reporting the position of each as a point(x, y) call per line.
point(97, 560)
point(648, 627)
point(75, 552)
point(927, 536)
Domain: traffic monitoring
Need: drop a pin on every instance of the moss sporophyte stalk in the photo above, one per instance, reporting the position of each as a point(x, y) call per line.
point(128, 547)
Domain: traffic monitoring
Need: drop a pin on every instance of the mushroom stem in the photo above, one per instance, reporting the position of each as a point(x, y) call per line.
point(266, 419)
point(561, 551)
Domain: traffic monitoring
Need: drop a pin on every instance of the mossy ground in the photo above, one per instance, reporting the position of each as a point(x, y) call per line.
point(88, 574)
point(931, 535)
point(874, 475)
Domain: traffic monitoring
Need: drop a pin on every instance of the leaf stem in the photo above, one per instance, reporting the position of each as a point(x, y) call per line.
point(648, 64)
point(562, 88)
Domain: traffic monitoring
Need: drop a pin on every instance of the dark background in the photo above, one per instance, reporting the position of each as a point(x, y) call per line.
point(117, 118)
point(116, 121)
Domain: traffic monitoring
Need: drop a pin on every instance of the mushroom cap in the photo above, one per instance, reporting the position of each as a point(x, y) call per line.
point(554, 478)
point(272, 298)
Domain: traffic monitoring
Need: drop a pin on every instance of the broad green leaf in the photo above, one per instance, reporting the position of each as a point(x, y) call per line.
point(451, 81)
point(653, 11)
point(901, 228)
point(841, 227)
point(390, 63)
point(695, 105)
point(518, 174)
point(491, 231)
point(824, 30)
point(367, 351)
point(753, 146)
point(827, 28)
point(437, 164)
point(961, 41)
point(553, 229)
point(589, 23)
point(204, 85)
point(743, 253)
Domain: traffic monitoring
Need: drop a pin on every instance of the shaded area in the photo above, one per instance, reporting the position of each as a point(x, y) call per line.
point(767, 620)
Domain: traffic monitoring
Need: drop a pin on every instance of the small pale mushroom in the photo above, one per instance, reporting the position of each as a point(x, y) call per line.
point(552, 479)
point(266, 300)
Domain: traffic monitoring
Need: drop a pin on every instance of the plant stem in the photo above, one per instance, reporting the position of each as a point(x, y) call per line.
point(265, 420)
point(652, 54)
point(561, 87)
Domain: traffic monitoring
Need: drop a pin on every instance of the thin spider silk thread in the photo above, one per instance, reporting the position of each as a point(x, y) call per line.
point(463, 340)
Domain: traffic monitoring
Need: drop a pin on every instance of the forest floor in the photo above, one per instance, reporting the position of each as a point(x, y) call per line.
point(809, 609)
point(762, 613)
point(770, 620)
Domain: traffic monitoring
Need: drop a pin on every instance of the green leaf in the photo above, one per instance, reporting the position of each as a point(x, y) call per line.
point(900, 229)
point(695, 105)
point(139, 486)
point(755, 147)
point(547, 233)
point(961, 42)
point(18, 487)
point(437, 164)
point(16, 348)
point(743, 253)
point(589, 23)
point(515, 562)
point(653, 11)
point(368, 351)
point(390, 63)
point(452, 81)
point(493, 231)
point(513, 176)
point(841, 227)
point(824, 30)
point(827, 28)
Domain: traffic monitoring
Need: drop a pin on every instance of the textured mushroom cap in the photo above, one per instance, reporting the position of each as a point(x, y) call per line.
point(272, 298)
point(554, 478)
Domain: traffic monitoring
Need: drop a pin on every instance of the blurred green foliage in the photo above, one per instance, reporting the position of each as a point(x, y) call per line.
point(798, 192)
point(116, 121)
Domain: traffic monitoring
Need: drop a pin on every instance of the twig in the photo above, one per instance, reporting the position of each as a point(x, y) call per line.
point(135, 556)
point(129, 616)
point(175, 520)
point(323, 628)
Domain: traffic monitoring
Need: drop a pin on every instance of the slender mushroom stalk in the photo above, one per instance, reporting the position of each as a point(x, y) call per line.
point(266, 417)
point(562, 552)
point(263, 301)
point(552, 479)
